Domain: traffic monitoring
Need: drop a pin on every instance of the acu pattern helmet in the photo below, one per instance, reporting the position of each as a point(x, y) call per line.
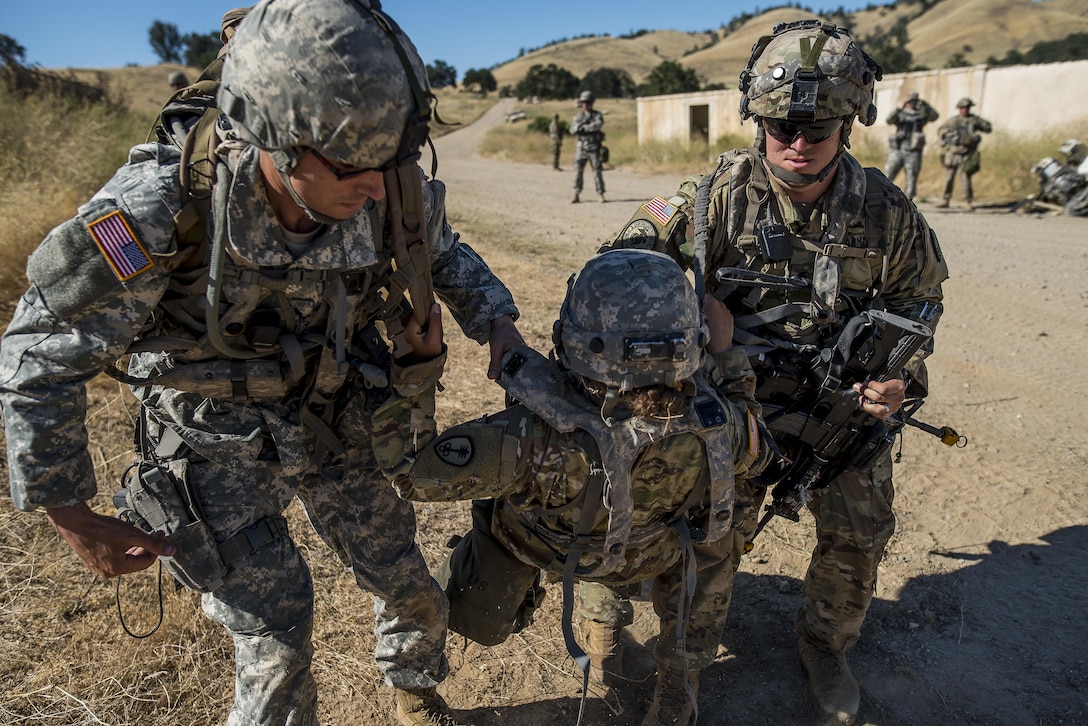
point(808, 71)
point(631, 319)
point(333, 76)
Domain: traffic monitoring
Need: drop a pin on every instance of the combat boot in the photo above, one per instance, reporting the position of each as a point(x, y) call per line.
point(600, 198)
point(943, 204)
point(832, 684)
point(605, 651)
point(968, 206)
point(422, 708)
point(675, 695)
point(574, 199)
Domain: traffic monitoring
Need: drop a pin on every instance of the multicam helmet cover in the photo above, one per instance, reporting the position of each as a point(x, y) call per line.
point(325, 75)
point(631, 319)
point(808, 71)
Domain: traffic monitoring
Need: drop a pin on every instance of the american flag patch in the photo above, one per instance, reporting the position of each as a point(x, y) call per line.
point(660, 210)
point(119, 245)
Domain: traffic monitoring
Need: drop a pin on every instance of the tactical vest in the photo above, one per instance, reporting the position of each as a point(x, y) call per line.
point(535, 382)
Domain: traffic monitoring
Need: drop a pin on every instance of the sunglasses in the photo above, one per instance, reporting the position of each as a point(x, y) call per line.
point(788, 131)
point(340, 174)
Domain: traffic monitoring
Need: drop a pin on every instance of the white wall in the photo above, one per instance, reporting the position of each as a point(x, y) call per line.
point(1016, 99)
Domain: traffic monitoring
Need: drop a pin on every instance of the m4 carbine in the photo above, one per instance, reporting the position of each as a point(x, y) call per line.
point(820, 422)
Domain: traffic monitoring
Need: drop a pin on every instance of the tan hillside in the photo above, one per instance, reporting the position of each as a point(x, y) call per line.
point(978, 29)
point(638, 56)
point(144, 88)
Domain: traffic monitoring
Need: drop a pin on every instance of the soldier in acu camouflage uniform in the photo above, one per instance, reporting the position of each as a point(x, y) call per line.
point(635, 415)
point(797, 205)
point(555, 135)
point(255, 353)
point(908, 141)
point(960, 137)
point(586, 127)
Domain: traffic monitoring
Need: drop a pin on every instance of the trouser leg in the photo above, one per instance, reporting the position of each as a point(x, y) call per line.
point(608, 604)
point(579, 172)
point(266, 599)
point(949, 181)
point(968, 189)
point(854, 521)
point(373, 531)
point(598, 177)
point(911, 166)
point(893, 165)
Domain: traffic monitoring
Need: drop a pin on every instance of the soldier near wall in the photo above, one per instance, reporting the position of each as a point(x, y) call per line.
point(555, 135)
point(908, 141)
point(960, 138)
point(586, 126)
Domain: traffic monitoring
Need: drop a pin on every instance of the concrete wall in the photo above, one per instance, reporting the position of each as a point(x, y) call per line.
point(1020, 100)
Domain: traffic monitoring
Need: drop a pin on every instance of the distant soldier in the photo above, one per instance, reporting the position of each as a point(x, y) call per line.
point(178, 81)
point(555, 133)
point(907, 142)
point(587, 127)
point(960, 139)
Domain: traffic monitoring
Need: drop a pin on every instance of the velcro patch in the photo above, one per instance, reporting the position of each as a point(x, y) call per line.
point(710, 412)
point(455, 450)
point(119, 245)
point(660, 209)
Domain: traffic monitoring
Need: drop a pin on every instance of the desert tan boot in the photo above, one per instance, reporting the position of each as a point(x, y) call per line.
point(574, 199)
point(422, 708)
point(832, 684)
point(605, 651)
point(600, 198)
point(675, 695)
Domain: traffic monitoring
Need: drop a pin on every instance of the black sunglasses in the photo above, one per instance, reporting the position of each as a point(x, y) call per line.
point(339, 173)
point(788, 131)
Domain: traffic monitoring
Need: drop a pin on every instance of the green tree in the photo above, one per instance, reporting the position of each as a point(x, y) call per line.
point(11, 53)
point(166, 41)
point(441, 74)
point(609, 83)
point(669, 77)
point(547, 82)
point(201, 48)
point(481, 78)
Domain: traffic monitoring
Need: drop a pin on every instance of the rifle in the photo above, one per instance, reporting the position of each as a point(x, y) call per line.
point(818, 415)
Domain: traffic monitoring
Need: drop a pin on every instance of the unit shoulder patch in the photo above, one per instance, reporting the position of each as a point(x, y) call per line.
point(455, 450)
point(120, 246)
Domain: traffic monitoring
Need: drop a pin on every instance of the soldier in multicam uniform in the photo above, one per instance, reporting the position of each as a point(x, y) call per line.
point(586, 126)
point(616, 464)
point(960, 137)
point(797, 205)
point(908, 141)
point(555, 135)
point(255, 353)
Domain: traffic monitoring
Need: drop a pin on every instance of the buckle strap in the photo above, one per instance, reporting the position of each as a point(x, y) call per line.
point(257, 535)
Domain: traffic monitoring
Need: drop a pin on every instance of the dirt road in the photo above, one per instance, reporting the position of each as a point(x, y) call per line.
point(980, 615)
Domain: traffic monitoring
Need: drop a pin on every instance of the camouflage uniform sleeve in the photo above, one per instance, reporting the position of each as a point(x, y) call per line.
point(916, 269)
point(462, 280)
point(732, 376)
point(481, 459)
point(76, 318)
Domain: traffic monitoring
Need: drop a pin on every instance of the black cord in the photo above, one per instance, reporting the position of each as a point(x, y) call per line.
point(121, 616)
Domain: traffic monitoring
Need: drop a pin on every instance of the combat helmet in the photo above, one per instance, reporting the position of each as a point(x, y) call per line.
point(338, 78)
point(808, 71)
point(586, 97)
point(965, 103)
point(631, 319)
point(177, 79)
point(1075, 151)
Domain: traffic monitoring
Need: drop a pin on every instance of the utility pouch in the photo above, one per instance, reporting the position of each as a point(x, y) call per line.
point(158, 499)
point(774, 243)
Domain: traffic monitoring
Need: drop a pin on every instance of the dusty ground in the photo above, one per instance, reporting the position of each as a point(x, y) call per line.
point(980, 614)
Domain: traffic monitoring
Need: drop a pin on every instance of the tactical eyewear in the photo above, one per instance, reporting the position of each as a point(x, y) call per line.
point(788, 131)
point(340, 174)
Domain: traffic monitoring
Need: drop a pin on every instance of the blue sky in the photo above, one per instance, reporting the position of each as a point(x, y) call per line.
point(477, 34)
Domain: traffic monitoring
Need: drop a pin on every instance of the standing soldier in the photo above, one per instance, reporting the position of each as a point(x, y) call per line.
point(908, 141)
point(255, 349)
point(616, 465)
point(809, 241)
point(555, 133)
point(587, 127)
point(178, 81)
point(960, 137)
